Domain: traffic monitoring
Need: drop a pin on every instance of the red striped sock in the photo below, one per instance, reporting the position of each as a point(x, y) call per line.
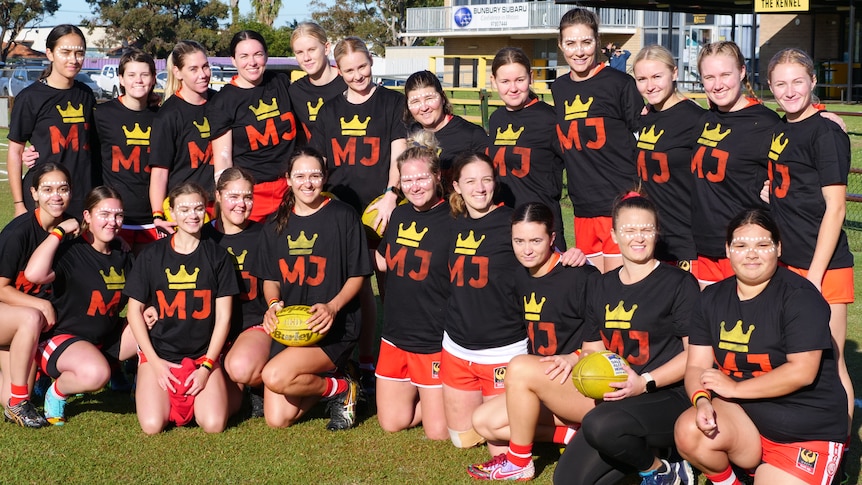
point(19, 393)
point(727, 477)
point(334, 386)
point(519, 455)
point(564, 434)
point(57, 392)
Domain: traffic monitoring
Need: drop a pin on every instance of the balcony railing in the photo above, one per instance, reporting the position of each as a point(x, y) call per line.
point(427, 21)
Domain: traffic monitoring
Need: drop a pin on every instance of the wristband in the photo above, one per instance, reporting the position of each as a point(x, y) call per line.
point(159, 215)
point(391, 188)
point(18, 202)
point(577, 352)
point(59, 232)
point(272, 303)
point(700, 393)
point(207, 364)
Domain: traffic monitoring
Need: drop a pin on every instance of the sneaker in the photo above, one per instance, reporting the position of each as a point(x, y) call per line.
point(342, 408)
point(669, 477)
point(499, 468)
point(685, 472)
point(43, 382)
point(256, 404)
point(55, 408)
point(24, 414)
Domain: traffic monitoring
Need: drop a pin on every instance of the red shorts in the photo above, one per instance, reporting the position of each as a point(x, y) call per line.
point(139, 235)
point(142, 359)
point(711, 270)
point(468, 376)
point(421, 370)
point(49, 351)
point(814, 462)
point(593, 236)
point(267, 197)
point(837, 284)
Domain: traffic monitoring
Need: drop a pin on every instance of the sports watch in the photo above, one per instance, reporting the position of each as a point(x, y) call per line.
point(650, 382)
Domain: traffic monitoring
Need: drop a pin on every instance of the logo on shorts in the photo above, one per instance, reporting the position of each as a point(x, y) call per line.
point(684, 264)
point(499, 376)
point(807, 460)
point(435, 369)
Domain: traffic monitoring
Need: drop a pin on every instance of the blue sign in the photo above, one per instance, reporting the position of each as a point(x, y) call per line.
point(463, 17)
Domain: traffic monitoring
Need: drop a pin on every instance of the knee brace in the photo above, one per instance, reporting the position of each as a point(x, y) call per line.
point(465, 439)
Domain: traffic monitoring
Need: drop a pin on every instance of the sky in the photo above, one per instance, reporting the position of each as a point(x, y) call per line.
point(72, 11)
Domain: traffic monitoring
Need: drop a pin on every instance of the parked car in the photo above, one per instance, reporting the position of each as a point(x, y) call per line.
point(88, 80)
point(161, 79)
point(109, 81)
point(20, 78)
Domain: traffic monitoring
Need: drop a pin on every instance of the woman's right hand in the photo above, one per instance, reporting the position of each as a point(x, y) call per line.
point(70, 226)
point(48, 312)
point(269, 319)
point(29, 157)
point(164, 227)
point(164, 376)
point(705, 418)
point(560, 366)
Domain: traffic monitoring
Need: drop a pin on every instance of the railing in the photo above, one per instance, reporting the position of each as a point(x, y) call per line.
point(542, 15)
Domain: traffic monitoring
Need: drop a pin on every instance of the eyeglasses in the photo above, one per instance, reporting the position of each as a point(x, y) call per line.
point(417, 102)
point(423, 180)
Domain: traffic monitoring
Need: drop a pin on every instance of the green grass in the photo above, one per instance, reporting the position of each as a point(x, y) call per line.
point(102, 442)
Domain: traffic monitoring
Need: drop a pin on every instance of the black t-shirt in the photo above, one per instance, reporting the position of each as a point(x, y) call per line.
point(456, 137)
point(250, 305)
point(416, 248)
point(357, 142)
point(729, 169)
point(596, 122)
point(664, 166)
point(804, 157)
point(483, 310)
point(184, 289)
point(124, 138)
point(526, 154)
point(313, 258)
point(181, 143)
point(555, 308)
point(88, 290)
point(18, 240)
point(307, 99)
point(59, 123)
point(752, 337)
point(645, 322)
point(263, 127)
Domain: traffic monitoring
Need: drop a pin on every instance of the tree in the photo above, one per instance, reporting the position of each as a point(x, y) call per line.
point(15, 16)
point(156, 25)
point(277, 40)
point(378, 22)
point(266, 10)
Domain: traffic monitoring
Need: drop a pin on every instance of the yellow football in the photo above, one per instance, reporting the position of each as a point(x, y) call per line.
point(369, 215)
point(593, 372)
point(292, 330)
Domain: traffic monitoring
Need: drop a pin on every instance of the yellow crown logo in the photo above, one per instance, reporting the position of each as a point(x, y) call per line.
point(468, 245)
point(113, 280)
point(354, 127)
point(777, 147)
point(508, 137)
point(313, 109)
point(70, 114)
point(577, 110)
point(265, 111)
point(735, 340)
point(204, 127)
point(533, 310)
point(410, 237)
point(619, 317)
point(183, 280)
point(238, 259)
point(137, 136)
point(711, 138)
point(648, 139)
point(302, 245)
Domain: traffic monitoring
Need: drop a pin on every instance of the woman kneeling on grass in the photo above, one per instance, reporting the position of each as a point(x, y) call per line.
point(88, 274)
point(312, 252)
point(191, 282)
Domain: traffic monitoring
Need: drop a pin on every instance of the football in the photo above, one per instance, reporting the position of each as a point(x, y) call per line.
point(369, 215)
point(593, 372)
point(291, 329)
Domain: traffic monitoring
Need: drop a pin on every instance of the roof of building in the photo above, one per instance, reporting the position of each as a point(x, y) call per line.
point(725, 7)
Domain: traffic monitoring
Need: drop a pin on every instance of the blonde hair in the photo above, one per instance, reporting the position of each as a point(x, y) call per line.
point(659, 54)
point(791, 55)
point(730, 49)
point(177, 58)
point(309, 29)
point(457, 206)
point(349, 45)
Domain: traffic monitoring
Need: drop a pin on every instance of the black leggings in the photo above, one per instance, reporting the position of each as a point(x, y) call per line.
point(620, 437)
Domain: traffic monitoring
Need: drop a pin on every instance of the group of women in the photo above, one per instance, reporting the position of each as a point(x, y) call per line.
point(256, 193)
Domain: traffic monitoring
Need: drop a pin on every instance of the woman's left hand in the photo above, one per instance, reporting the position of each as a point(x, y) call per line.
point(631, 387)
point(716, 381)
point(197, 381)
point(573, 257)
point(384, 207)
point(322, 316)
point(151, 316)
point(560, 366)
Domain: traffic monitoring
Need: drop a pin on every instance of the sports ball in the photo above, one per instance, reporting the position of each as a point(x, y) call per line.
point(593, 372)
point(166, 208)
point(369, 215)
point(291, 329)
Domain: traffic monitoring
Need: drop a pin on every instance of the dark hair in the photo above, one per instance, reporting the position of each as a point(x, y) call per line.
point(633, 200)
point(424, 79)
point(96, 195)
point(580, 16)
point(136, 55)
point(282, 214)
point(55, 35)
point(534, 212)
point(512, 55)
point(246, 35)
point(227, 176)
point(758, 217)
point(45, 168)
point(177, 58)
point(457, 206)
point(186, 188)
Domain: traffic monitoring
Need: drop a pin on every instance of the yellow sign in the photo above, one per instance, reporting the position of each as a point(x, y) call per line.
point(771, 6)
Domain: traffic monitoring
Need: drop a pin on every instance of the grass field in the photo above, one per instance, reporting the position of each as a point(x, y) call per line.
point(102, 442)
